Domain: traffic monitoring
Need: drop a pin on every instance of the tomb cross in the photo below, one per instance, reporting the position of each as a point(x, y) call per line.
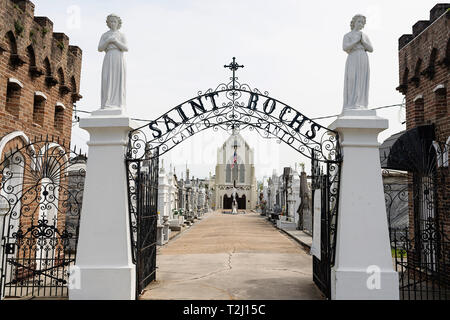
point(233, 66)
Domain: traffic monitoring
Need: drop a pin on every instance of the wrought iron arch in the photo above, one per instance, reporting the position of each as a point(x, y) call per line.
point(235, 106)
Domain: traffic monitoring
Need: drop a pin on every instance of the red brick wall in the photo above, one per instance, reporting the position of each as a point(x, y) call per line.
point(424, 56)
point(17, 21)
point(42, 61)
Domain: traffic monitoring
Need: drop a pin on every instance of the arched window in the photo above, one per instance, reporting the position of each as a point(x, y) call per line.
point(419, 110)
point(13, 93)
point(61, 76)
point(416, 78)
point(63, 89)
point(405, 76)
point(49, 79)
point(440, 95)
point(31, 56)
point(15, 60)
point(39, 108)
point(34, 70)
point(403, 87)
point(242, 173)
point(58, 121)
point(48, 68)
point(228, 173)
point(430, 69)
point(73, 87)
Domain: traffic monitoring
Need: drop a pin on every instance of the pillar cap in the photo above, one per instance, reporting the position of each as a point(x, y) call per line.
point(96, 121)
point(359, 119)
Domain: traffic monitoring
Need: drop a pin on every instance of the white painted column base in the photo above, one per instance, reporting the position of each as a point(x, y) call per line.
point(363, 267)
point(104, 267)
point(354, 284)
point(105, 283)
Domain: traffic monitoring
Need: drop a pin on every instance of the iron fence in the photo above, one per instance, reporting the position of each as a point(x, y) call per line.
point(41, 191)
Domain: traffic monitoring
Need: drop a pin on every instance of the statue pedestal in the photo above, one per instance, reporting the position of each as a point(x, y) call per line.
point(104, 267)
point(363, 267)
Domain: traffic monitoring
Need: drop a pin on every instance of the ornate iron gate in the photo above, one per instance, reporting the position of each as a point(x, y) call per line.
point(421, 250)
point(231, 106)
point(325, 179)
point(417, 210)
point(40, 198)
point(143, 206)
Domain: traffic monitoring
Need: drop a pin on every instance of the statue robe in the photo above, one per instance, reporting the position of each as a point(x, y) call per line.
point(113, 92)
point(357, 72)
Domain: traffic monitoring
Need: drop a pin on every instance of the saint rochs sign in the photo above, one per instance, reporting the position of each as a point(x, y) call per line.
point(256, 103)
point(236, 106)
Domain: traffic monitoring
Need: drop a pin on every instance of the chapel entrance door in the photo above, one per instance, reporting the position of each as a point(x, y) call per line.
point(242, 202)
point(227, 202)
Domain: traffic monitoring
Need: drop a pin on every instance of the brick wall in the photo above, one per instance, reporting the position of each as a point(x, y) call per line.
point(41, 61)
point(39, 83)
point(424, 64)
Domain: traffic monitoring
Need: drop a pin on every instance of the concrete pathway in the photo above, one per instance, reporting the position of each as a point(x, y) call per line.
point(230, 257)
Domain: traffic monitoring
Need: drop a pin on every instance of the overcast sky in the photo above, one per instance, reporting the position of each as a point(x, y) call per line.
point(291, 48)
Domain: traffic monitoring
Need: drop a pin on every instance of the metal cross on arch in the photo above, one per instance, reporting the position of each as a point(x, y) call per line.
point(233, 66)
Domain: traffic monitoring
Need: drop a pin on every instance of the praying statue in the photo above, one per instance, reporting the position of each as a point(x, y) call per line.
point(114, 44)
point(357, 73)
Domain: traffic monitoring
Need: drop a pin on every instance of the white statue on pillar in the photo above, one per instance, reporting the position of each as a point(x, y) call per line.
point(357, 73)
point(114, 43)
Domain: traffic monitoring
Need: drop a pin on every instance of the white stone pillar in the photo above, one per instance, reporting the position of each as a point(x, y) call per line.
point(363, 267)
point(104, 262)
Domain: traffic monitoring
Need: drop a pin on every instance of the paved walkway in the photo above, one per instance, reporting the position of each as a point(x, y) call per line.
point(232, 257)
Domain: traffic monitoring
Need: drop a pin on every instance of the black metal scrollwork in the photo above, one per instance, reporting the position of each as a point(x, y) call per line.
point(41, 191)
point(235, 106)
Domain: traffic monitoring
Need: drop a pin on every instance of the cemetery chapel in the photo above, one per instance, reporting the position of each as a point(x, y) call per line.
point(235, 172)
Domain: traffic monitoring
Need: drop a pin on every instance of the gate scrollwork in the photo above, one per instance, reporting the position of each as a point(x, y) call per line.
point(41, 191)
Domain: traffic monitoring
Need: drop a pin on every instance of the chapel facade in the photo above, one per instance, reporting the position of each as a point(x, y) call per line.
point(235, 172)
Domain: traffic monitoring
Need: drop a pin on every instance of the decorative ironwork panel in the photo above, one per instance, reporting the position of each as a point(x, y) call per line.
point(326, 181)
point(420, 245)
point(40, 195)
point(143, 197)
point(422, 262)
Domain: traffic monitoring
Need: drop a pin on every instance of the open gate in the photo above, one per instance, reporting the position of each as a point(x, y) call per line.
point(143, 206)
point(41, 193)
